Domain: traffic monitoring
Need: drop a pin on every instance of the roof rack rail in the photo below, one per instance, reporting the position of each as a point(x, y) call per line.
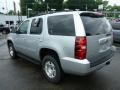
point(44, 13)
point(51, 12)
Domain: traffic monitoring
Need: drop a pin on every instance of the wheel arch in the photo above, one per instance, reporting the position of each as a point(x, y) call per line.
point(48, 51)
point(9, 41)
point(45, 51)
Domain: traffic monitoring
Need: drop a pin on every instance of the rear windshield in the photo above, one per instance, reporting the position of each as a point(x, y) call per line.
point(95, 24)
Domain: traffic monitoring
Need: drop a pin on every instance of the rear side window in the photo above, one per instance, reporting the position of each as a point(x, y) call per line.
point(36, 26)
point(95, 24)
point(61, 25)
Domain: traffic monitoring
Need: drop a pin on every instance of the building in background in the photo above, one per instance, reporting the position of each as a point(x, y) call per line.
point(11, 20)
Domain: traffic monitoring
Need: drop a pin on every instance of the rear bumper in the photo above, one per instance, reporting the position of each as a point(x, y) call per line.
point(81, 67)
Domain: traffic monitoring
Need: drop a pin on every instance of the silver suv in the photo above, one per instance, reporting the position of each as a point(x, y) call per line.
point(66, 42)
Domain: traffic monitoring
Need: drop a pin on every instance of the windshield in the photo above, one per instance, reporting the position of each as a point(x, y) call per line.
point(95, 24)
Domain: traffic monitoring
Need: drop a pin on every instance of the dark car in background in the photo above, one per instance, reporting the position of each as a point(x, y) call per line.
point(4, 30)
point(116, 31)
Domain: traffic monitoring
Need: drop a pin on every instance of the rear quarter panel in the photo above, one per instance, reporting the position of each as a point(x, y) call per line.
point(63, 45)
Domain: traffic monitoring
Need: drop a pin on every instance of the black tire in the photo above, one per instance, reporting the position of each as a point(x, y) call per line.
point(11, 46)
point(59, 74)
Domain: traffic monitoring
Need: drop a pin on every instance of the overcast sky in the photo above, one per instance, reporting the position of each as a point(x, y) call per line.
point(112, 2)
point(10, 4)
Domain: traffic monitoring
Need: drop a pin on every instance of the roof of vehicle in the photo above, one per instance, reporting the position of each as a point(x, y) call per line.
point(68, 12)
point(63, 12)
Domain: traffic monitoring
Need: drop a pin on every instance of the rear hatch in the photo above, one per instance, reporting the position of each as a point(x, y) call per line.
point(99, 37)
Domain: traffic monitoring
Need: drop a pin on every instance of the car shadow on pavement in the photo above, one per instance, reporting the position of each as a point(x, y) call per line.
point(93, 81)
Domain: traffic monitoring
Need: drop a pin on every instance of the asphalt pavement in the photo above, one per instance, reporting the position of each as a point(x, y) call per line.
point(21, 74)
point(2, 39)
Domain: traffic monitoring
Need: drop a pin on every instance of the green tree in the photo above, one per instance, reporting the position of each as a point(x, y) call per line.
point(83, 4)
point(113, 9)
point(42, 5)
point(39, 5)
point(26, 4)
point(56, 4)
point(105, 4)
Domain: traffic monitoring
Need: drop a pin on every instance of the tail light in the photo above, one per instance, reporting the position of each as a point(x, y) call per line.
point(80, 48)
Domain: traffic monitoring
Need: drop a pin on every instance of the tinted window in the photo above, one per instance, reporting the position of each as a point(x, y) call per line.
point(24, 27)
point(95, 25)
point(36, 26)
point(61, 25)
